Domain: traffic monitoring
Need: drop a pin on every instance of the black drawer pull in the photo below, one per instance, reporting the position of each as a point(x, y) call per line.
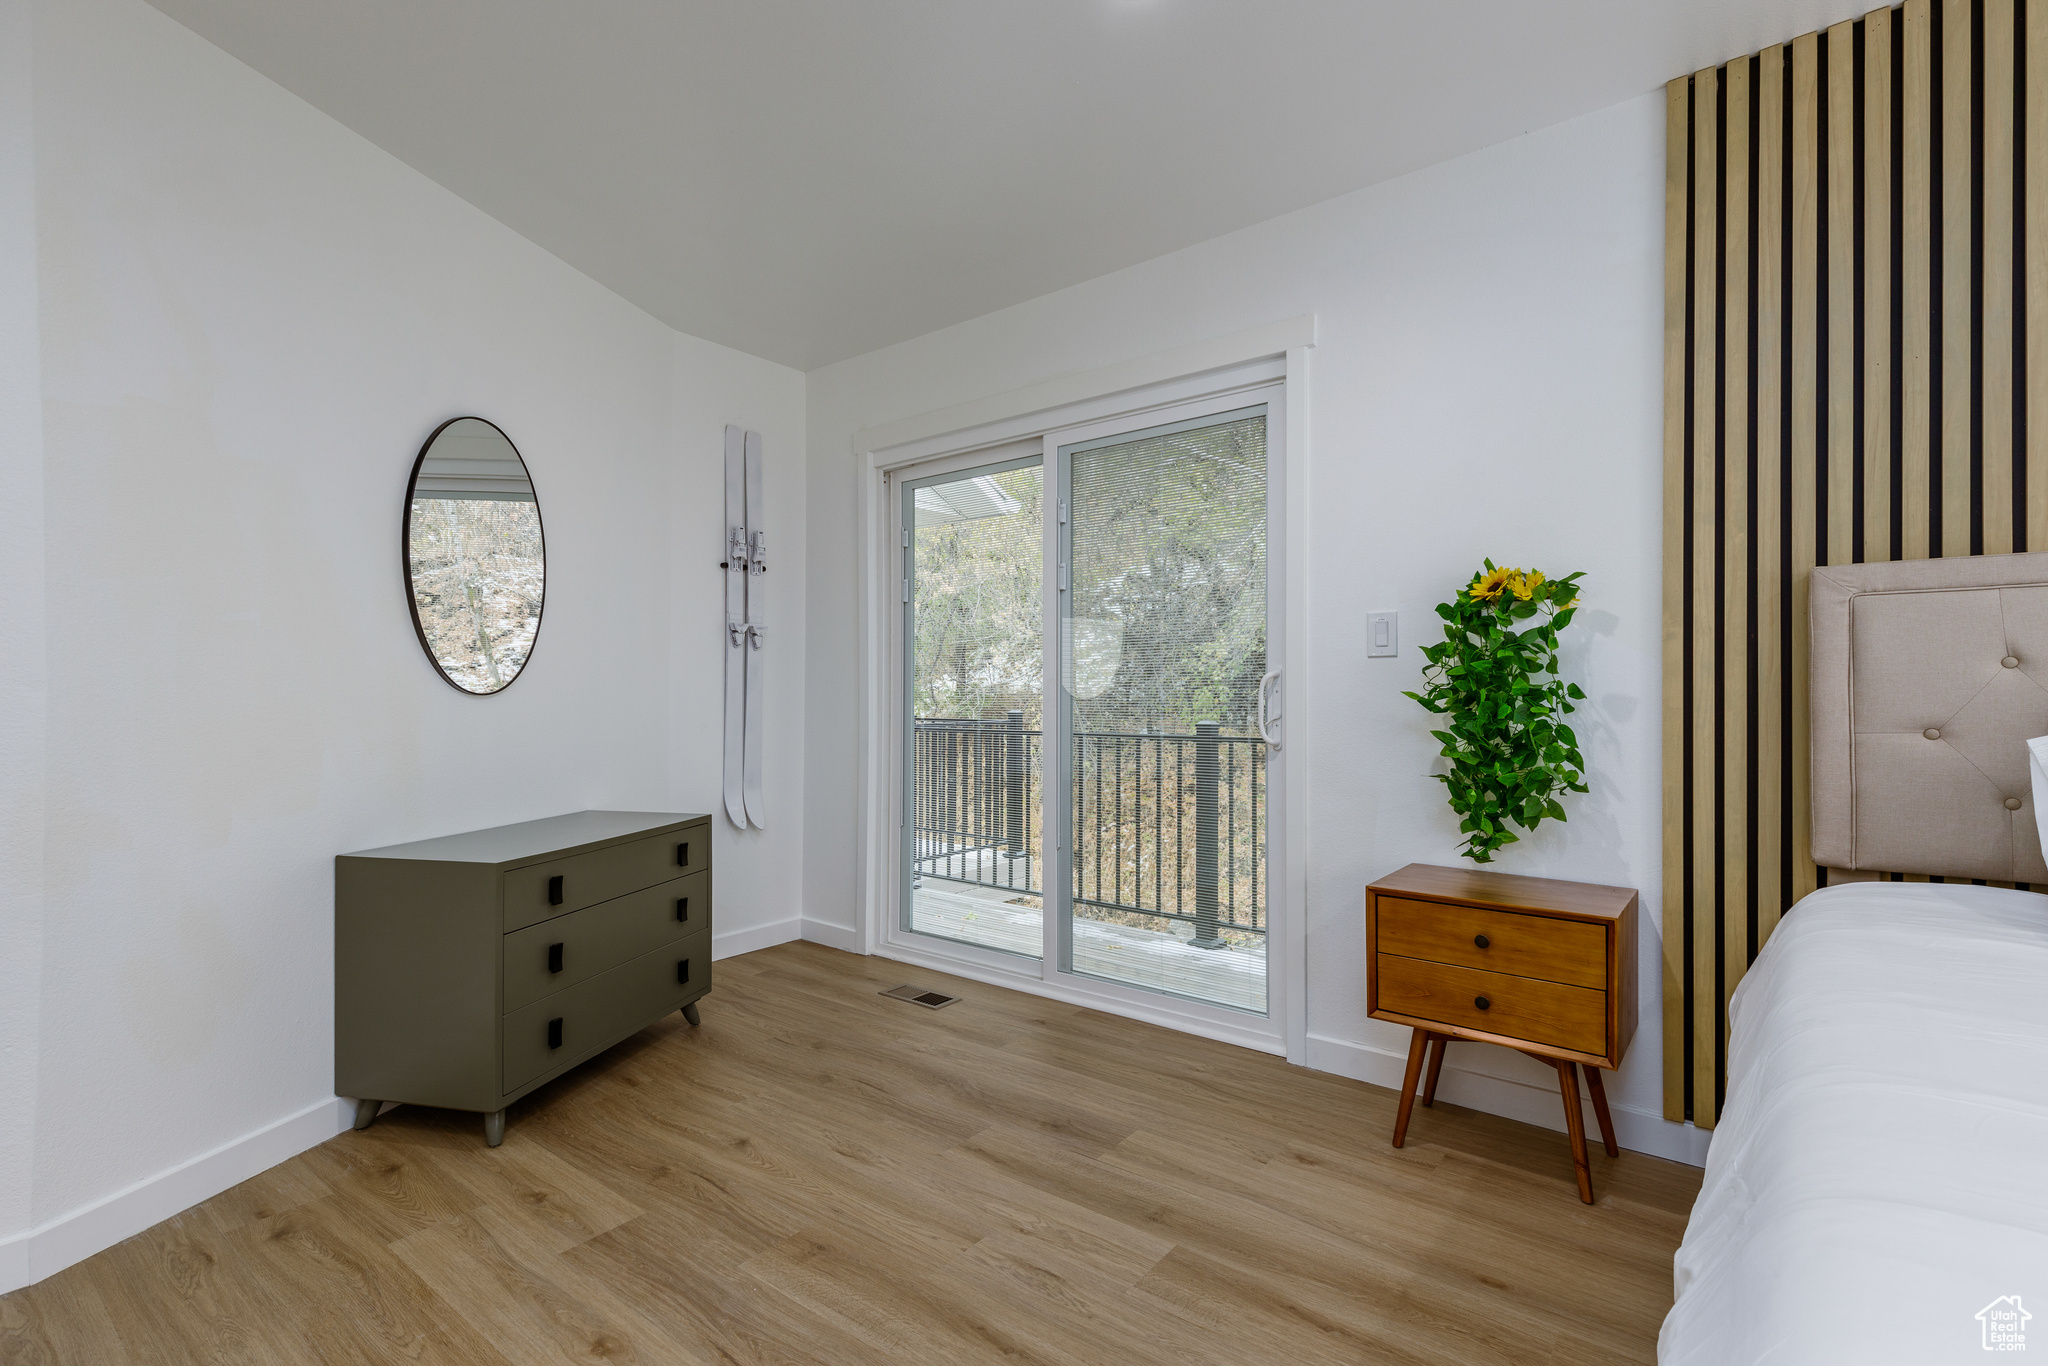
point(1482, 941)
point(555, 890)
point(554, 958)
point(555, 1032)
point(682, 970)
point(683, 854)
point(1482, 1003)
point(682, 908)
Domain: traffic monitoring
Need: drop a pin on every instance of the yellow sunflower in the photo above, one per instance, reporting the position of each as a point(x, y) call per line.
point(1524, 585)
point(1488, 586)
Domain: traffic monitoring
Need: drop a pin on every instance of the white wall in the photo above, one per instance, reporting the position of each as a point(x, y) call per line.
point(250, 318)
point(1487, 383)
point(21, 630)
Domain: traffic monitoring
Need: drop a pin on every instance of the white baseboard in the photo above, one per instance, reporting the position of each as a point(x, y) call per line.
point(832, 936)
point(734, 942)
point(46, 1249)
point(1636, 1130)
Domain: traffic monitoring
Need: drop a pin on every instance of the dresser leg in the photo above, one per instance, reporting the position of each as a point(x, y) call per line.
point(1415, 1048)
point(1575, 1126)
point(1439, 1044)
point(1599, 1090)
point(690, 1013)
point(366, 1112)
point(494, 1128)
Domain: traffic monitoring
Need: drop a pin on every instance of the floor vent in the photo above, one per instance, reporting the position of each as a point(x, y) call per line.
point(918, 996)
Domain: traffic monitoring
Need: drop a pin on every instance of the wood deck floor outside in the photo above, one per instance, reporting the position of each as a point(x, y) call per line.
point(820, 1175)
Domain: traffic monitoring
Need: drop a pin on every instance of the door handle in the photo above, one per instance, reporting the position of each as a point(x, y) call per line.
point(1268, 719)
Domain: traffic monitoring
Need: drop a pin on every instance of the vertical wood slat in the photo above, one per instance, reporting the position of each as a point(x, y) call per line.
point(1770, 459)
point(2034, 82)
point(1917, 191)
point(1840, 260)
point(1677, 988)
point(1956, 292)
point(1995, 301)
point(1735, 718)
point(1898, 311)
point(1877, 285)
point(1706, 419)
point(1806, 190)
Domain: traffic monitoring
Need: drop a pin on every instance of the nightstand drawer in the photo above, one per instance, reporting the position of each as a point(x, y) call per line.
point(1549, 947)
point(541, 891)
point(570, 1025)
point(1516, 1007)
point(559, 953)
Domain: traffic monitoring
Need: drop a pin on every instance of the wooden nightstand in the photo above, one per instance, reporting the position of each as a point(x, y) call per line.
point(1546, 968)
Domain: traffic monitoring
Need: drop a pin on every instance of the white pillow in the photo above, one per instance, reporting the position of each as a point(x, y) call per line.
point(2037, 749)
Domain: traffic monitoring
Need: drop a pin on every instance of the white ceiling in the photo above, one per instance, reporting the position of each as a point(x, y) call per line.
point(810, 179)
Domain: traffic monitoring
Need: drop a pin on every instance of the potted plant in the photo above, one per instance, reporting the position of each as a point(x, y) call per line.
point(1494, 677)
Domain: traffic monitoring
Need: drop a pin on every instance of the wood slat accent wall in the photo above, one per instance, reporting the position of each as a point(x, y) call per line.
point(1855, 330)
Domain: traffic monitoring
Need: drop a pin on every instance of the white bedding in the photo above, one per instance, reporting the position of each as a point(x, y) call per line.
point(1880, 1173)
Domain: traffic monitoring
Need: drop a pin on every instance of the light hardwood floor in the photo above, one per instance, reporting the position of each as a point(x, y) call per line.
point(821, 1175)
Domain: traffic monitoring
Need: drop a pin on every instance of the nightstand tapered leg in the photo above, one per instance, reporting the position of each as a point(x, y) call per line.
point(1599, 1090)
point(1575, 1126)
point(1439, 1044)
point(1415, 1048)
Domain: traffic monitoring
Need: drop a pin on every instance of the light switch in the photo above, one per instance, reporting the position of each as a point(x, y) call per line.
point(1382, 634)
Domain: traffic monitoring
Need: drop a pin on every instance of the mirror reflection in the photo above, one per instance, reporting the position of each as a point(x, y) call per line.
point(474, 555)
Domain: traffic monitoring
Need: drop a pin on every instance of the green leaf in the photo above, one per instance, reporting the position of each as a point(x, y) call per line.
point(1495, 680)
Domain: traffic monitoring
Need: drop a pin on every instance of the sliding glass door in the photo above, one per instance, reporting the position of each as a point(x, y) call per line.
point(973, 561)
point(1162, 658)
point(1088, 703)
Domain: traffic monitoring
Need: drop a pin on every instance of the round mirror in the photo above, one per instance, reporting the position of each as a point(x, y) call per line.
point(474, 556)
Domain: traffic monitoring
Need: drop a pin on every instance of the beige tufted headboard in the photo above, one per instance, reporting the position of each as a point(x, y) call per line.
point(1928, 677)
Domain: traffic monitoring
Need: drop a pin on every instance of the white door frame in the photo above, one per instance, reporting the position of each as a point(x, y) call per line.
point(1270, 362)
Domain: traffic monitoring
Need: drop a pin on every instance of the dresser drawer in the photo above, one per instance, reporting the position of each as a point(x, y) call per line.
point(599, 1011)
point(559, 953)
point(1549, 947)
point(533, 893)
point(1516, 1007)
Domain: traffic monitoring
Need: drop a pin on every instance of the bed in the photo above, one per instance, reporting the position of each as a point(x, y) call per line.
point(1877, 1189)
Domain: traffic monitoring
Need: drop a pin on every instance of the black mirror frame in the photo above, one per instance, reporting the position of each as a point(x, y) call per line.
point(412, 606)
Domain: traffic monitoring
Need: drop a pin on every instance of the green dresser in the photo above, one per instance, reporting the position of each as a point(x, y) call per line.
point(472, 968)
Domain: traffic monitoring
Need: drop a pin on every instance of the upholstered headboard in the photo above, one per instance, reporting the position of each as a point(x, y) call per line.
point(1928, 677)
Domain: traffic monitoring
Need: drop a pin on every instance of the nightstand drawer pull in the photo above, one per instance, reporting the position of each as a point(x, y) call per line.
point(682, 908)
point(682, 971)
point(683, 854)
point(555, 1032)
point(554, 958)
point(1482, 1003)
point(555, 890)
point(1482, 941)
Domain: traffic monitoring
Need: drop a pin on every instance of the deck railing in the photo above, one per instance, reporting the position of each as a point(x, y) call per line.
point(1172, 826)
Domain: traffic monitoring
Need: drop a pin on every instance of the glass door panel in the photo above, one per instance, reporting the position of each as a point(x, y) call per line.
point(974, 556)
point(1162, 663)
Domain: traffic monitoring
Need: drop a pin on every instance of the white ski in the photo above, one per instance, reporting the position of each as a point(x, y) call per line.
point(757, 602)
point(736, 558)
